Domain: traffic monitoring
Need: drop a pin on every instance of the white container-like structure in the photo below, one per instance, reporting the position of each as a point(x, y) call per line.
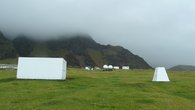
point(41, 68)
point(116, 67)
point(125, 67)
point(160, 75)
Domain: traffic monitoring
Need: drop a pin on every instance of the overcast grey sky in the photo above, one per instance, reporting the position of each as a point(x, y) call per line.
point(160, 31)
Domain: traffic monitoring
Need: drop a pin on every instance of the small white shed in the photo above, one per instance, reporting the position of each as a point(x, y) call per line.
point(160, 75)
point(116, 67)
point(125, 67)
point(41, 68)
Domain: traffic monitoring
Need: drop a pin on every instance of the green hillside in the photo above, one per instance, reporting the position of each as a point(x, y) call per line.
point(183, 68)
point(79, 51)
point(99, 90)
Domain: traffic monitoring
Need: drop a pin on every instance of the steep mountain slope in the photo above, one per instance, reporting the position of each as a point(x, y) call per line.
point(79, 51)
point(6, 48)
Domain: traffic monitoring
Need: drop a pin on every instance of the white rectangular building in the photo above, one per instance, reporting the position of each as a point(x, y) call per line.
point(116, 67)
point(125, 67)
point(41, 68)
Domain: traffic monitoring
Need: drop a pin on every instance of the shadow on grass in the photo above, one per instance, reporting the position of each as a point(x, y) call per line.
point(70, 78)
point(67, 79)
point(7, 80)
point(54, 80)
point(12, 79)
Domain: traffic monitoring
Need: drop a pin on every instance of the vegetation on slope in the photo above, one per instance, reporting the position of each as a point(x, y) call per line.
point(183, 68)
point(6, 48)
point(78, 50)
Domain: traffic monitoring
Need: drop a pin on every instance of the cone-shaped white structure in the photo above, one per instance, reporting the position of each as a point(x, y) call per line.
point(160, 75)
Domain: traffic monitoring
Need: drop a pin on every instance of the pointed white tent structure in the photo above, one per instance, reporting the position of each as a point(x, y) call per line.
point(41, 68)
point(160, 75)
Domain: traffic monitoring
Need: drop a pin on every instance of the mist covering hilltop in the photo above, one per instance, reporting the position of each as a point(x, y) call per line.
point(79, 50)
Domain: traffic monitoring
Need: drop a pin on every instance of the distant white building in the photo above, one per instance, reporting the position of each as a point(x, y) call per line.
point(110, 67)
point(8, 66)
point(105, 66)
point(87, 68)
point(160, 75)
point(125, 67)
point(116, 67)
point(97, 68)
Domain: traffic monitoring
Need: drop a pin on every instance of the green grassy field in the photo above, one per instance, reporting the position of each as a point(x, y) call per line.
point(98, 90)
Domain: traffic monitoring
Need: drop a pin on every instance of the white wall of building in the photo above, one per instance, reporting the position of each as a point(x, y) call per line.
point(41, 68)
